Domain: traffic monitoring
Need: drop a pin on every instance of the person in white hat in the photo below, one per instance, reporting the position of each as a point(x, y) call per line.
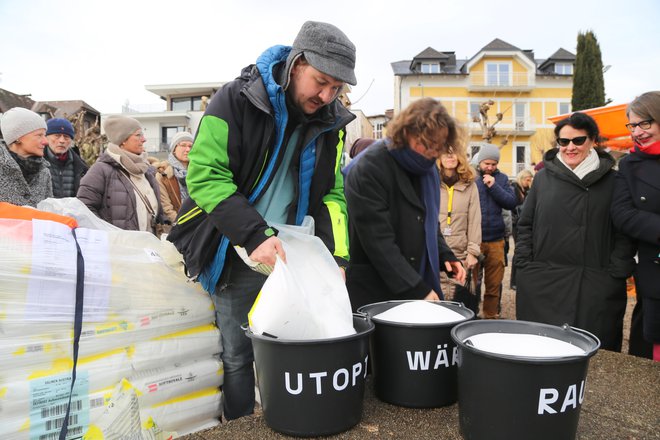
point(24, 174)
point(172, 174)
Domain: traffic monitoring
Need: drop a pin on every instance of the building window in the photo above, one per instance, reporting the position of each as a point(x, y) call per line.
point(474, 112)
point(474, 150)
point(564, 68)
point(520, 109)
point(522, 158)
point(191, 103)
point(430, 68)
point(378, 130)
point(166, 136)
point(564, 107)
point(498, 74)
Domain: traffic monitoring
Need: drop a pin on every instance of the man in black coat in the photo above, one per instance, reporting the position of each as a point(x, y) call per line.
point(66, 166)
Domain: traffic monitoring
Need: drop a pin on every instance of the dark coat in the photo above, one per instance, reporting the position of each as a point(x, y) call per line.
point(108, 193)
point(386, 231)
point(493, 200)
point(571, 263)
point(66, 174)
point(14, 188)
point(636, 212)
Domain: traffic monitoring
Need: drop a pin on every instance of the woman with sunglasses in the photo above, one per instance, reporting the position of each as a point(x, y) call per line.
point(121, 186)
point(571, 263)
point(636, 211)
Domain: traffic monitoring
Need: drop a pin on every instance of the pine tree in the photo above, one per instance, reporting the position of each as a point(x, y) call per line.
point(588, 83)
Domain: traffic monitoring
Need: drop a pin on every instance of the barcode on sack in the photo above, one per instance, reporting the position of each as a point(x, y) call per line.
point(71, 433)
point(57, 423)
point(58, 410)
point(95, 403)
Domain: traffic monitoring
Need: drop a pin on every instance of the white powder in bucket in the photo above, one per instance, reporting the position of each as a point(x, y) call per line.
point(420, 312)
point(525, 345)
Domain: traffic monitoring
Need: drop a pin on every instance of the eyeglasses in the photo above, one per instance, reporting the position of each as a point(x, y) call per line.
point(644, 125)
point(577, 141)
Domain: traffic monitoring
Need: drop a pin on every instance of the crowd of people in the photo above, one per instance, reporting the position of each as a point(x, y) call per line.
point(423, 222)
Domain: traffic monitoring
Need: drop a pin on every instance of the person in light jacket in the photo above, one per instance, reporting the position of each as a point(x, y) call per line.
point(460, 212)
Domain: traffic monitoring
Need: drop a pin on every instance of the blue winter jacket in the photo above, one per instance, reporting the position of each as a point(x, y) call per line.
point(493, 200)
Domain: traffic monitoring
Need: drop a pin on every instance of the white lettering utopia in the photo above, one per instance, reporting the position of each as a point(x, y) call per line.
point(294, 383)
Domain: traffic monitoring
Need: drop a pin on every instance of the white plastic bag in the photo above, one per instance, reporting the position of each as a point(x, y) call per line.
point(304, 298)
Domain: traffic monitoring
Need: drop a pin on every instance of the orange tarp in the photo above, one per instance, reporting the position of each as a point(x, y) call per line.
point(611, 122)
point(7, 210)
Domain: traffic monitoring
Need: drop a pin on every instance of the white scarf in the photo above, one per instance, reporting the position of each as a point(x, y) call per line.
point(589, 164)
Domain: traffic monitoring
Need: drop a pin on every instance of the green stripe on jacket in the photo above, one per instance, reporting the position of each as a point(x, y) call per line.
point(209, 179)
point(336, 204)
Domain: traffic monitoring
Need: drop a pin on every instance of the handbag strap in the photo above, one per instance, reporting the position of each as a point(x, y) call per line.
point(150, 208)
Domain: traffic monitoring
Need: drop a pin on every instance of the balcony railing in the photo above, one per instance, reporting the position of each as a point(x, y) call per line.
point(508, 123)
point(493, 81)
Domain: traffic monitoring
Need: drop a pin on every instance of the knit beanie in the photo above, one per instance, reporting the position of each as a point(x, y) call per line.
point(119, 128)
point(489, 152)
point(60, 126)
point(180, 137)
point(327, 49)
point(17, 122)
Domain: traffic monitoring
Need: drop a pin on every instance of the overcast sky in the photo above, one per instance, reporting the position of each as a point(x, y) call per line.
point(105, 52)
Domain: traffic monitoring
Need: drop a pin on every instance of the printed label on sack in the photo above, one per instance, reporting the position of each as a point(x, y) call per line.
point(49, 398)
point(553, 400)
point(53, 273)
point(321, 381)
point(421, 360)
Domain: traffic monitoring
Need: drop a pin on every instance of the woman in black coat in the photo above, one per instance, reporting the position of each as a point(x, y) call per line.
point(393, 199)
point(572, 264)
point(636, 211)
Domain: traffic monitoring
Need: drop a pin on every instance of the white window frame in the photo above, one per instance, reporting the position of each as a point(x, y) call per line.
point(499, 78)
point(378, 130)
point(430, 68)
point(514, 157)
point(520, 121)
point(564, 68)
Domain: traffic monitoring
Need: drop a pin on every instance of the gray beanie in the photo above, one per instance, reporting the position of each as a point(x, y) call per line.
point(489, 152)
point(17, 122)
point(327, 49)
point(180, 137)
point(119, 128)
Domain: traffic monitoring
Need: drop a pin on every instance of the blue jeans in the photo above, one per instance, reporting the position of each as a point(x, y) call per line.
point(233, 297)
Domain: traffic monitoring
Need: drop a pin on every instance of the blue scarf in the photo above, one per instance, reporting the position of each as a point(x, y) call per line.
point(427, 171)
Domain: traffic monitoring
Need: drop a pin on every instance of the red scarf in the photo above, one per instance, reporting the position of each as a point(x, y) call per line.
point(653, 149)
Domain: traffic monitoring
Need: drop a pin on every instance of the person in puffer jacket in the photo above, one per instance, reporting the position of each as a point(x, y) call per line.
point(268, 151)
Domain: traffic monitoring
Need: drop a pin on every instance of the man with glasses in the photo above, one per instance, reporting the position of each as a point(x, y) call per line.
point(66, 166)
point(495, 194)
point(267, 152)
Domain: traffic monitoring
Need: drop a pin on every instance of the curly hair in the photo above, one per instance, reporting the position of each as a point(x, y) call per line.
point(424, 118)
point(464, 171)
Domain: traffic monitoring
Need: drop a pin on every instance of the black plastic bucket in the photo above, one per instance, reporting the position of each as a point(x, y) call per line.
point(316, 387)
point(504, 396)
point(414, 365)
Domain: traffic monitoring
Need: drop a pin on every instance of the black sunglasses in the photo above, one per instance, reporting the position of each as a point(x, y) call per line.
point(577, 141)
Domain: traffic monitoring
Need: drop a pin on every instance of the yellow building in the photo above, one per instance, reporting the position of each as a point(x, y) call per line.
point(524, 89)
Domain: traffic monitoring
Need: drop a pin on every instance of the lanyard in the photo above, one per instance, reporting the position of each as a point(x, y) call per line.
point(450, 203)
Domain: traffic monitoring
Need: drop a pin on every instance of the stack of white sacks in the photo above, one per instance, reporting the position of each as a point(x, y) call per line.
point(143, 322)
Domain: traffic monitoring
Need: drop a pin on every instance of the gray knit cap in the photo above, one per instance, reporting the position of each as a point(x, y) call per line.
point(327, 49)
point(119, 128)
point(181, 136)
point(489, 152)
point(17, 122)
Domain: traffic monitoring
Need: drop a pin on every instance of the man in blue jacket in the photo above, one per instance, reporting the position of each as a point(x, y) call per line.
point(495, 194)
point(267, 152)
